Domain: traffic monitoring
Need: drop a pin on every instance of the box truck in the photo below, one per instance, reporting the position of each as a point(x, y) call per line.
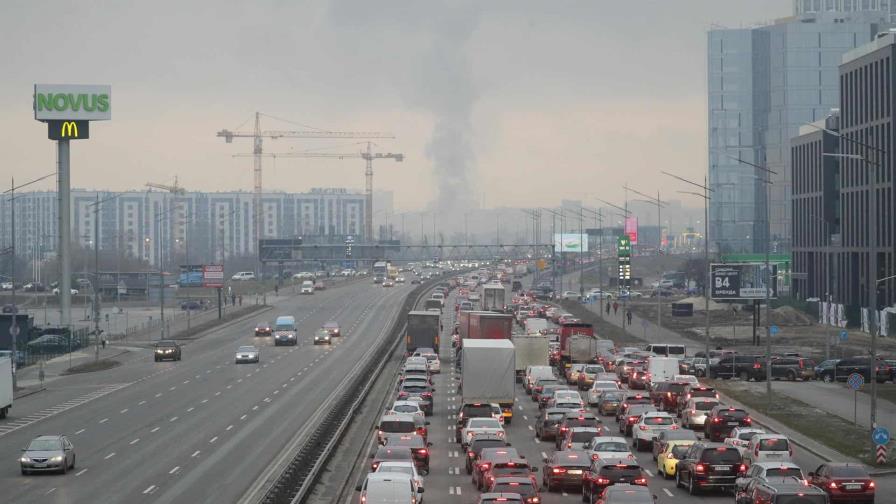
point(493, 297)
point(531, 350)
point(483, 325)
point(422, 331)
point(5, 386)
point(567, 330)
point(487, 374)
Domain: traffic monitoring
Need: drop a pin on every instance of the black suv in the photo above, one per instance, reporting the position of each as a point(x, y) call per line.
point(708, 465)
point(861, 365)
point(780, 491)
point(722, 419)
point(167, 349)
point(738, 366)
point(547, 424)
point(610, 471)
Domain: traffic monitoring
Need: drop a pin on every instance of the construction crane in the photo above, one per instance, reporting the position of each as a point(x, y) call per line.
point(258, 134)
point(173, 189)
point(368, 156)
point(179, 232)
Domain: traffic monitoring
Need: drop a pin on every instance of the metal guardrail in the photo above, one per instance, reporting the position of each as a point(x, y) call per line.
point(297, 480)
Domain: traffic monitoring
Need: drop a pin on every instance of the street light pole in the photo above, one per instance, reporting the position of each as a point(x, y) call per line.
point(659, 226)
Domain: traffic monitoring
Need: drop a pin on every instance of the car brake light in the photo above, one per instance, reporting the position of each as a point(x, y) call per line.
point(742, 468)
point(484, 466)
point(471, 454)
point(756, 365)
point(748, 420)
point(558, 470)
point(833, 485)
point(716, 420)
point(640, 481)
point(422, 452)
point(603, 481)
point(642, 427)
point(594, 456)
point(870, 484)
point(700, 468)
point(674, 427)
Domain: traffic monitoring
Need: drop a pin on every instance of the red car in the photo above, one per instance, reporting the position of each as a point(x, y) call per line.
point(844, 482)
point(263, 329)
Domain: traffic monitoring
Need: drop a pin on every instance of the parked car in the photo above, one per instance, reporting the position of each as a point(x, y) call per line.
point(793, 368)
point(862, 366)
point(744, 367)
point(243, 276)
point(824, 371)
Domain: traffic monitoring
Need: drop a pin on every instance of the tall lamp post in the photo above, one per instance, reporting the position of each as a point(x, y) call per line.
point(659, 226)
point(96, 271)
point(555, 214)
point(706, 282)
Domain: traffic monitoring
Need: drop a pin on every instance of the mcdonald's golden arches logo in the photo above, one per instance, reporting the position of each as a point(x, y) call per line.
point(68, 130)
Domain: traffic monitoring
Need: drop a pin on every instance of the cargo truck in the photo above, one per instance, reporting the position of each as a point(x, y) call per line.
point(483, 325)
point(5, 386)
point(567, 330)
point(487, 374)
point(535, 325)
point(582, 348)
point(493, 297)
point(531, 350)
point(422, 331)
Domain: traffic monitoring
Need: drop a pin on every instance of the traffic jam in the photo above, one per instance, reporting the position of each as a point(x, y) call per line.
point(504, 397)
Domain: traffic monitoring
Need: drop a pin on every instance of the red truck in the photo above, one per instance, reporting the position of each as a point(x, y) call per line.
point(483, 325)
point(567, 330)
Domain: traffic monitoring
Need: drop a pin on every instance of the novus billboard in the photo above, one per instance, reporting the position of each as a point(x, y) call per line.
point(72, 102)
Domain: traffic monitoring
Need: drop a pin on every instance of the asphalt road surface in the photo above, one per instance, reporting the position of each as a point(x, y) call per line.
point(199, 430)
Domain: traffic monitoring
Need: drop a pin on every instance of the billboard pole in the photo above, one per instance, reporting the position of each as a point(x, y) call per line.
point(65, 233)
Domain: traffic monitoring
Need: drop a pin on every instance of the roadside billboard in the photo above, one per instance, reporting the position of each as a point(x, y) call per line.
point(213, 276)
point(72, 102)
point(742, 281)
point(571, 242)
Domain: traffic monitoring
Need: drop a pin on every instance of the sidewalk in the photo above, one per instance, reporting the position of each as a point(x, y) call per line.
point(28, 378)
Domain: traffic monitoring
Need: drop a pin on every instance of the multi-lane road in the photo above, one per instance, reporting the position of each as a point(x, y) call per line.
point(200, 430)
point(448, 481)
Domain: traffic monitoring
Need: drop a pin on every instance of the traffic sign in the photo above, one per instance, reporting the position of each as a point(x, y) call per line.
point(14, 330)
point(881, 436)
point(774, 330)
point(844, 335)
point(881, 454)
point(855, 381)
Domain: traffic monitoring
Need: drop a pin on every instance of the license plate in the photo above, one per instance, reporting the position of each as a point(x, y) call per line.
point(734, 423)
point(575, 471)
point(852, 486)
point(40, 465)
point(774, 455)
point(722, 468)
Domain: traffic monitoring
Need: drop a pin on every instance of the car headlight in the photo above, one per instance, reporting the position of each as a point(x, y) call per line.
point(24, 459)
point(57, 458)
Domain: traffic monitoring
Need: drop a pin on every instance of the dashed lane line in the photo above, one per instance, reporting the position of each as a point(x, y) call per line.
point(55, 410)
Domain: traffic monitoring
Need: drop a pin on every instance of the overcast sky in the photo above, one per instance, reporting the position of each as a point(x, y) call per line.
point(514, 103)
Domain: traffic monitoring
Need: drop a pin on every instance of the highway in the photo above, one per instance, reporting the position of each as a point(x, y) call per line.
point(448, 481)
point(200, 430)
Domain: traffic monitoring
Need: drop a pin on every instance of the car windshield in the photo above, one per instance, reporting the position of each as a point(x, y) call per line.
point(262, 324)
point(611, 397)
point(284, 327)
point(488, 423)
point(721, 456)
point(166, 344)
point(783, 472)
point(594, 369)
point(246, 349)
point(610, 446)
point(45, 445)
point(848, 472)
point(773, 444)
point(397, 426)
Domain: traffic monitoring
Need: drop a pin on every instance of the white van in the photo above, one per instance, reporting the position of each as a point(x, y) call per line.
point(285, 332)
point(661, 369)
point(389, 488)
point(307, 287)
point(666, 349)
point(768, 448)
point(243, 276)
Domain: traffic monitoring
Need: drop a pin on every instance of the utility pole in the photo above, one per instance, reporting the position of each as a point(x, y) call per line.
point(659, 226)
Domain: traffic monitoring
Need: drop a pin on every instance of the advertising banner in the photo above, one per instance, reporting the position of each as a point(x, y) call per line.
point(571, 242)
point(72, 102)
point(631, 229)
point(742, 281)
point(213, 276)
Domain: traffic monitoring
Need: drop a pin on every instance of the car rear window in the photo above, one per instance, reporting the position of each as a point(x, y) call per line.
point(484, 410)
point(720, 456)
point(576, 459)
point(414, 388)
point(523, 488)
point(616, 471)
point(848, 472)
point(583, 436)
point(658, 420)
point(677, 388)
point(773, 444)
point(610, 446)
point(705, 405)
point(401, 453)
point(733, 414)
point(480, 444)
point(800, 499)
point(703, 393)
point(783, 472)
point(679, 451)
point(397, 426)
point(583, 422)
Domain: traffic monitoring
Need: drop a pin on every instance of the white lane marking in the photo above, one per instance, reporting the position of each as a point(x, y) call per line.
point(107, 457)
point(648, 472)
point(154, 429)
point(212, 440)
point(135, 441)
point(141, 403)
point(82, 471)
point(104, 420)
point(227, 387)
point(451, 490)
point(186, 382)
point(191, 408)
point(78, 432)
point(254, 407)
point(203, 401)
point(544, 455)
point(123, 411)
point(208, 371)
point(668, 492)
point(243, 417)
point(565, 494)
point(176, 468)
point(229, 427)
point(525, 417)
point(195, 454)
point(530, 427)
point(172, 388)
point(158, 395)
point(173, 419)
point(149, 489)
point(218, 393)
point(240, 380)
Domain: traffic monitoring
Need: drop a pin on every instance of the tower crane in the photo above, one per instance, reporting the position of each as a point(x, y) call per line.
point(368, 156)
point(257, 135)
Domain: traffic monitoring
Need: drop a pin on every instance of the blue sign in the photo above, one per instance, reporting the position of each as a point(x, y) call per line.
point(773, 330)
point(844, 335)
point(881, 436)
point(855, 381)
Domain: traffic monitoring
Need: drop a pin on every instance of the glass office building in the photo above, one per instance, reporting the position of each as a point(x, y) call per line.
point(763, 84)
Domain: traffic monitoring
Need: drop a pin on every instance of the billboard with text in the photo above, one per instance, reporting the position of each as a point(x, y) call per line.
point(571, 242)
point(743, 281)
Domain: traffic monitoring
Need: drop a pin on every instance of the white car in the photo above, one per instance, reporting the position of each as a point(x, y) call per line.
point(479, 426)
point(686, 378)
point(74, 292)
point(740, 437)
point(649, 426)
point(243, 276)
point(567, 399)
point(598, 387)
point(696, 411)
point(768, 448)
point(406, 408)
point(404, 467)
point(248, 353)
point(307, 287)
point(5, 285)
point(304, 275)
point(608, 447)
point(432, 360)
point(400, 279)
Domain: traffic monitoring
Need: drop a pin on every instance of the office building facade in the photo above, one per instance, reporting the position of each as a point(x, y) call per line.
point(764, 83)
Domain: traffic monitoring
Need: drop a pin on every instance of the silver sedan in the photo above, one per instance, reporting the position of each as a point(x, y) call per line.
point(695, 412)
point(248, 353)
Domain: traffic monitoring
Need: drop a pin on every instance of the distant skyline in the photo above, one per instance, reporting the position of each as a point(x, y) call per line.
point(510, 103)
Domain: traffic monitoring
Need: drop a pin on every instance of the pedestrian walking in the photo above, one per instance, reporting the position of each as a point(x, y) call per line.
point(615, 307)
point(608, 308)
point(276, 290)
point(628, 315)
point(241, 300)
point(232, 299)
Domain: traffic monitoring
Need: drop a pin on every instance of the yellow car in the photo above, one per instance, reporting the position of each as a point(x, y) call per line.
point(674, 451)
